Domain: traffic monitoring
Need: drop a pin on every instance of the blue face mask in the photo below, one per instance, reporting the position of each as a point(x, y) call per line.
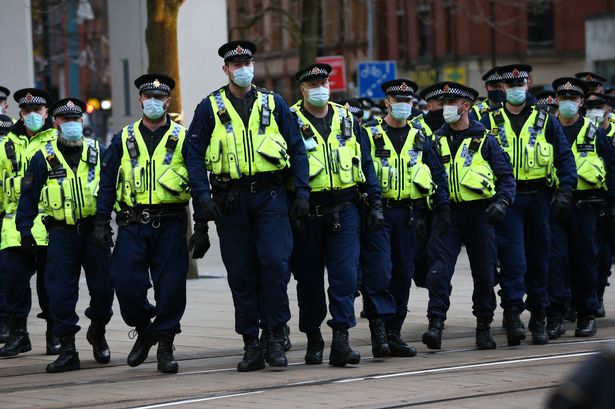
point(33, 121)
point(153, 108)
point(497, 95)
point(243, 76)
point(516, 95)
point(400, 111)
point(71, 131)
point(568, 109)
point(318, 96)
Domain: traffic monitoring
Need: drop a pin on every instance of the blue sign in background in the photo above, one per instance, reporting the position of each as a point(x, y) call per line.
point(371, 74)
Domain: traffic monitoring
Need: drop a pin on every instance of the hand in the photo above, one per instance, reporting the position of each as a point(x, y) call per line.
point(199, 241)
point(375, 217)
point(210, 210)
point(496, 212)
point(442, 218)
point(300, 208)
point(561, 205)
point(103, 235)
point(28, 244)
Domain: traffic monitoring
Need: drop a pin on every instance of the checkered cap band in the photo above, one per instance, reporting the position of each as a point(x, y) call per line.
point(30, 99)
point(403, 87)
point(314, 71)
point(352, 109)
point(239, 50)
point(568, 86)
point(515, 74)
point(155, 86)
point(447, 90)
point(494, 77)
point(66, 109)
point(5, 124)
point(549, 100)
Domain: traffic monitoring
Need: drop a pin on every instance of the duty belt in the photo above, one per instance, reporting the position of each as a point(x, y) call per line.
point(404, 203)
point(145, 215)
point(334, 210)
point(83, 226)
point(248, 185)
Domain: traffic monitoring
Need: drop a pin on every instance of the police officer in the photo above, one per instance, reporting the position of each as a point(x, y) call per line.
point(65, 174)
point(496, 95)
point(547, 101)
point(408, 169)
point(575, 247)
point(481, 186)
point(5, 125)
point(340, 165)
point(535, 143)
point(4, 103)
point(143, 171)
point(24, 252)
point(245, 137)
point(594, 82)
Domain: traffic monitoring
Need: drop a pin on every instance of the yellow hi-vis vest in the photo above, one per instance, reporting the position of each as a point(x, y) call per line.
point(150, 180)
point(470, 176)
point(481, 108)
point(16, 151)
point(403, 175)
point(335, 161)
point(530, 153)
point(591, 173)
point(70, 196)
point(236, 151)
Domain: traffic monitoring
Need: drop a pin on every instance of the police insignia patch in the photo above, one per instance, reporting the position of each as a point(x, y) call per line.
point(588, 77)
point(446, 88)
point(29, 97)
point(515, 73)
point(239, 50)
point(70, 104)
point(404, 86)
point(568, 86)
point(156, 83)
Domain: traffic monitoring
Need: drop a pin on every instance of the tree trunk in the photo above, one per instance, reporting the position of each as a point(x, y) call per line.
point(309, 33)
point(161, 42)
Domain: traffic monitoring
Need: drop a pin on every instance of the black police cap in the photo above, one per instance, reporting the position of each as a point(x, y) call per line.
point(592, 79)
point(449, 90)
point(514, 73)
point(546, 98)
point(400, 87)
point(68, 108)
point(318, 71)
point(596, 99)
point(353, 105)
point(31, 96)
point(237, 50)
point(157, 84)
point(493, 76)
point(4, 93)
point(570, 86)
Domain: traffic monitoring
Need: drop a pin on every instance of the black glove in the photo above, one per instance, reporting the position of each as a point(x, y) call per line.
point(103, 235)
point(210, 210)
point(561, 205)
point(199, 241)
point(300, 208)
point(28, 245)
point(441, 219)
point(496, 212)
point(375, 217)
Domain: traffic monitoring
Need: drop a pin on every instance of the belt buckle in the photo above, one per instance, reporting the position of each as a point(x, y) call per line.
point(253, 187)
point(317, 210)
point(145, 216)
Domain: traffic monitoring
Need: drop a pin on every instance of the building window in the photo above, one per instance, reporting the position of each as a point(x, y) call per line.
point(540, 24)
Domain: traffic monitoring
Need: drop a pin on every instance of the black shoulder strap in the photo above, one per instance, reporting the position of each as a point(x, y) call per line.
point(498, 118)
point(419, 141)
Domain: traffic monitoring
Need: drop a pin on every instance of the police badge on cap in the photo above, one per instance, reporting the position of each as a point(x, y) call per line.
point(237, 50)
point(155, 84)
point(570, 86)
point(31, 97)
point(68, 108)
point(312, 72)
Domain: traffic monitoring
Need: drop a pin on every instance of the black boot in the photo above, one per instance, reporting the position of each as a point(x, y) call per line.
point(164, 355)
point(341, 353)
point(537, 327)
point(69, 357)
point(586, 326)
point(140, 350)
point(398, 346)
point(4, 330)
point(275, 356)
point(53, 345)
point(515, 331)
point(555, 327)
point(253, 359)
point(433, 337)
point(315, 348)
point(380, 344)
point(484, 340)
point(18, 341)
point(100, 348)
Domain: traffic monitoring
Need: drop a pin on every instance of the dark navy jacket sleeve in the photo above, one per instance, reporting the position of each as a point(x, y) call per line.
point(198, 137)
point(33, 182)
point(605, 150)
point(296, 149)
point(565, 166)
point(371, 185)
point(108, 178)
point(505, 185)
point(438, 172)
point(485, 121)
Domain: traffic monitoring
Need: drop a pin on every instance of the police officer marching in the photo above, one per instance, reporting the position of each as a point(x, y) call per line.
point(340, 165)
point(535, 143)
point(24, 252)
point(65, 174)
point(246, 139)
point(143, 171)
point(6, 124)
point(496, 95)
point(575, 245)
point(547, 101)
point(481, 186)
point(408, 169)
